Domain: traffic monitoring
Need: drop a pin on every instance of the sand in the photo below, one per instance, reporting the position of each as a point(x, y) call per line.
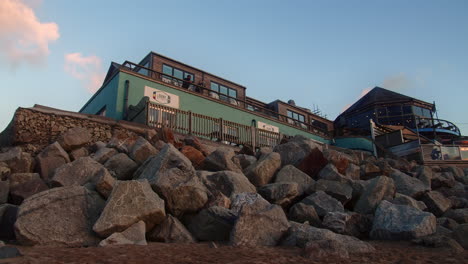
point(387, 252)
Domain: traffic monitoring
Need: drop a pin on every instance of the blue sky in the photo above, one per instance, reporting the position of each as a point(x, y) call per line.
point(323, 53)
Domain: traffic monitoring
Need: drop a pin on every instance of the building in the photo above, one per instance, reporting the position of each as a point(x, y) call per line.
point(162, 91)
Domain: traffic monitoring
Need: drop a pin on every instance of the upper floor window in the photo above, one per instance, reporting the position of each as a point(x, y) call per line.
point(296, 116)
point(179, 74)
point(223, 90)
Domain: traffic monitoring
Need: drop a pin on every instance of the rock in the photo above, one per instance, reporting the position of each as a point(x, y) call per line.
point(134, 235)
point(194, 155)
point(301, 213)
point(340, 191)
point(9, 252)
point(193, 141)
point(458, 202)
point(330, 173)
point(173, 177)
point(244, 160)
point(4, 191)
point(324, 249)
point(339, 159)
point(23, 185)
point(353, 172)
point(103, 154)
point(401, 222)
point(167, 135)
point(439, 241)
point(130, 202)
point(104, 182)
point(323, 203)
point(78, 153)
point(459, 215)
point(74, 138)
point(212, 224)
point(4, 171)
point(444, 179)
point(121, 166)
point(408, 185)
point(460, 234)
point(221, 159)
point(60, 216)
point(259, 224)
point(294, 151)
point(447, 223)
point(424, 174)
point(457, 190)
point(226, 182)
point(313, 163)
point(369, 171)
point(78, 172)
point(8, 213)
point(262, 172)
point(378, 189)
point(301, 234)
point(351, 224)
point(289, 173)
point(218, 199)
point(406, 200)
point(171, 230)
point(17, 160)
point(457, 173)
point(246, 199)
point(281, 193)
point(50, 158)
point(436, 203)
point(142, 150)
point(97, 145)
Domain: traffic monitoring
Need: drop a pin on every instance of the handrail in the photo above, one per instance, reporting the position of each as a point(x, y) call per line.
point(236, 102)
point(435, 123)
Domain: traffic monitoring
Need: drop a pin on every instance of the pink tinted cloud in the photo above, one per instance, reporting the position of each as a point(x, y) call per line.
point(363, 92)
point(87, 69)
point(23, 38)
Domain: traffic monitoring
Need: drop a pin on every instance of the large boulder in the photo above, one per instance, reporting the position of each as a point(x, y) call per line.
point(401, 222)
point(4, 171)
point(244, 160)
point(212, 224)
point(142, 150)
point(331, 173)
point(74, 138)
point(23, 185)
point(50, 158)
point(353, 172)
point(294, 151)
point(130, 202)
point(339, 159)
point(313, 162)
point(60, 216)
point(289, 173)
point(301, 213)
point(323, 203)
point(460, 233)
point(436, 203)
point(78, 172)
point(173, 177)
point(378, 189)
point(443, 179)
point(79, 153)
point(134, 235)
point(121, 166)
point(8, 215)
point(424, 174)
point(221, 159)
point(103, 154)
point(351, 224)
point(259, 224)
point(262, 171)
point(343, 192)
point(280, 193)
point(226, 182)
point(17, 160)
point(301, 234)
point(103, 182)
point(171, 230)
point(408, 185)
point(459, 215)
point(240, 200)
point(194, 155)
point(406, 200)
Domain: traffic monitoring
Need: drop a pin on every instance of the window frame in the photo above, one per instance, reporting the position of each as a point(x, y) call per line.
point(222, 95)
point(295, 116)
point(184, 74)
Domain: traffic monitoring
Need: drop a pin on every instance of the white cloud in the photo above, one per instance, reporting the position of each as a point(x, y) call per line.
point(23, 38)
point(397, 83)
point(87, 69)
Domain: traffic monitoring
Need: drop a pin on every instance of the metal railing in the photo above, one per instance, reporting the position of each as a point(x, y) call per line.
point(431, 152)
point(207, 127)
point(424, 123)
point(235, 102)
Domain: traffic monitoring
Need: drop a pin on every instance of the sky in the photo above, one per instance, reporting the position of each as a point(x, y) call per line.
point(322, 54)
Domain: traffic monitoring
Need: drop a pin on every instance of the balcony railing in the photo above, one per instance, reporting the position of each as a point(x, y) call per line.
point(424, 124)
point(235, 102)
point(432, 152)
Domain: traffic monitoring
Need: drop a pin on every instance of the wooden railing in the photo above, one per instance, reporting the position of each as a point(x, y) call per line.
point(235, 102)
point(186, 122)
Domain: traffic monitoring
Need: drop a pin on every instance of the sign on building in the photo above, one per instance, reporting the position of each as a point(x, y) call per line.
point(162, 97)
point(267, 127)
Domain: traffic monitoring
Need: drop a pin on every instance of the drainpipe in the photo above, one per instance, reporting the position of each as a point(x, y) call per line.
point(125, 110)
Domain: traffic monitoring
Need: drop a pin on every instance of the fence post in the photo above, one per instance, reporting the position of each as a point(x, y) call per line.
point(190, 122)
point(253, 138)
point(221, 130)
point(148, 123)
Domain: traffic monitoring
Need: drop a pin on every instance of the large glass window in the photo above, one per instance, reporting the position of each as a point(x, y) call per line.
point(394, 110)
point(223, 90)
point(295, 116)
point(179, 74)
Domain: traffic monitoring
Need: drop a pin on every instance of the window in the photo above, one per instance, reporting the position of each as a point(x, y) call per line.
point(223, 90)
point(102, 112)
point(296, 116)
point(143, 70)
point(319, 124)
point(179, 74)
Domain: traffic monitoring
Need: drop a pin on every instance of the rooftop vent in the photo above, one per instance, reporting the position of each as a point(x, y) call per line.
point(291, 102)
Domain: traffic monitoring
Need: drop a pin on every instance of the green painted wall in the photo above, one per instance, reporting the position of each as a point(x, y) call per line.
point(189, 102)
point(107, 96)
point(360, 143)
